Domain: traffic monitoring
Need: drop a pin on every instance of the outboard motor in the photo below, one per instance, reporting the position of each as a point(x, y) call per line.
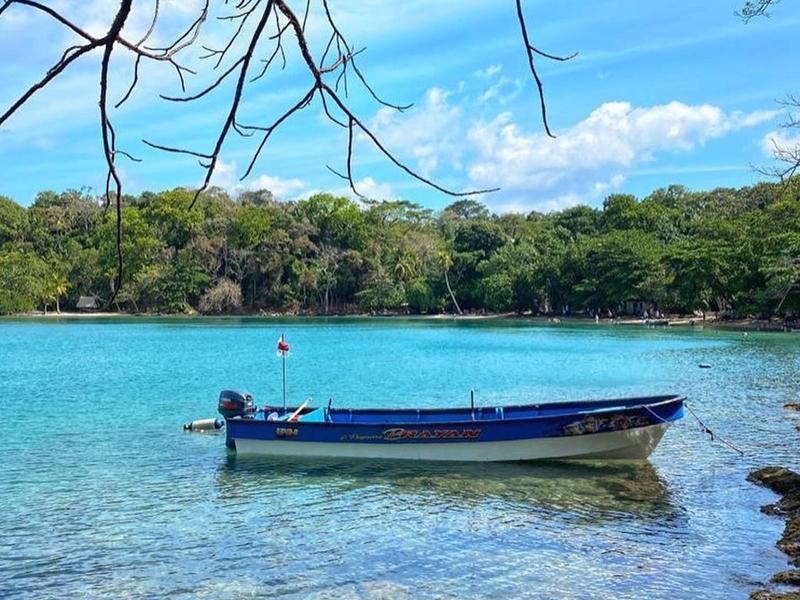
point(233, 403)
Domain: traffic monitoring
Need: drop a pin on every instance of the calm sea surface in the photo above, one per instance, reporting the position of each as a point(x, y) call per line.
point(103, 495)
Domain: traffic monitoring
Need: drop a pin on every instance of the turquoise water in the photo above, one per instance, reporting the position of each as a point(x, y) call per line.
point(102, 495)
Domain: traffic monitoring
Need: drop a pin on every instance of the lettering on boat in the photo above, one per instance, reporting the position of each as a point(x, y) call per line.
point(357, 437)
point(286, 431)
point(400, 433)
point(590, 424)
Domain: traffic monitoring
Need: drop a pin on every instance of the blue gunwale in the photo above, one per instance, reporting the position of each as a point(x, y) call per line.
point(485, 415)
point(457, 425)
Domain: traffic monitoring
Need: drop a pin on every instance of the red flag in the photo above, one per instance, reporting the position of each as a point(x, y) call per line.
point(283, 347)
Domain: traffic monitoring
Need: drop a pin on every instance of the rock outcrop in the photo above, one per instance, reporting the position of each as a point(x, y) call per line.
point(786, 483)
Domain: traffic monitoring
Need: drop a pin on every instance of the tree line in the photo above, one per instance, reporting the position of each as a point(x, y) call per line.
point(675, 251)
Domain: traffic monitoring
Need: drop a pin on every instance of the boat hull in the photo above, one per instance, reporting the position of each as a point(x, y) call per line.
point(625, 429)
point(630, 444)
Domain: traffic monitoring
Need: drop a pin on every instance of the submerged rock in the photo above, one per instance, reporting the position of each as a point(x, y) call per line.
point(768, 595)
point(778, 479)
point(787, 577)
point(785, 482)
point(790, 542)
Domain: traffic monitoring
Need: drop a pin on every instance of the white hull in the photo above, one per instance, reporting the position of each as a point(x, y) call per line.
point(629, 444)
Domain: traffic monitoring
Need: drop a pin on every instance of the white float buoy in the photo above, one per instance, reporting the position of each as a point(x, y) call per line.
point(204, 425)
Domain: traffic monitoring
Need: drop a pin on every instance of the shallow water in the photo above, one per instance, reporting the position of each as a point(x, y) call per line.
point(102, 494)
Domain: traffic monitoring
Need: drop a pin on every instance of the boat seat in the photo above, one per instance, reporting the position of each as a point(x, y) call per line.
point(315, 416)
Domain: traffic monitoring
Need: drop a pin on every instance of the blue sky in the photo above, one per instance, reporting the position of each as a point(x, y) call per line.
point(660, 93)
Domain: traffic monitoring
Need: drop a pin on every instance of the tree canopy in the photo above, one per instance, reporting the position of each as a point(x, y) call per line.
point(673, 251)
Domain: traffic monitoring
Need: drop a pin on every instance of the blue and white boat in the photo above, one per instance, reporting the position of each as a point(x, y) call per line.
point(627, 428)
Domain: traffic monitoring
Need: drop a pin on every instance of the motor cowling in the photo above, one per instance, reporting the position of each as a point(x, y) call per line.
point(234, 403)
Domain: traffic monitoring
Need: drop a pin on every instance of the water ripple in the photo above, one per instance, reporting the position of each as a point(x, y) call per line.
point(103, 496)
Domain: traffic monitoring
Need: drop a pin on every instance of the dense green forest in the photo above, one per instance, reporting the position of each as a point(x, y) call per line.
point(728, 250)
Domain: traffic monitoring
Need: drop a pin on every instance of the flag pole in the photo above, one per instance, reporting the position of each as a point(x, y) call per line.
point(283, 364)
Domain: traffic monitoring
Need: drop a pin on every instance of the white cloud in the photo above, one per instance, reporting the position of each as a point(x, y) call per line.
point(225, 176)
point(576, 166)
point(429, 132)
point(372, 189)
point(283, 189)
point(489, 71)
point(754, 118)
point(503, 92)
point(778, 139)
point(602, 187)
point(367, 187)
point(95, 16)
point(586, 161)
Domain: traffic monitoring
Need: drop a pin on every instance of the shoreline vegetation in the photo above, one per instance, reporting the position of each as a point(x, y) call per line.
point(734, 254)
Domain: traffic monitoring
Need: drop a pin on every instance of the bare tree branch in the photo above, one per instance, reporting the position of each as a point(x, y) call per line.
point(337, 60)
point(106, 129)
point(211, 87)
point(133, 83)
point(187, 38)
point(531, 50)
point(176, 150)
point(787, 151)
point(51, 74)
point(152, 27)
point(237, 98)
point(304, 101)
point(220, 54)
point(755, 8)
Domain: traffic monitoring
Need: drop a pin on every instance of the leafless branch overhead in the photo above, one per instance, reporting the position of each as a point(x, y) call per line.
point(260, 30)
point(532, 50)
point(755, 8)
point(786, 152)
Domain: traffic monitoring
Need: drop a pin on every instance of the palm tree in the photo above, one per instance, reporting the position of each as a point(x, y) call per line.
point(447, 263)
point(58, 286)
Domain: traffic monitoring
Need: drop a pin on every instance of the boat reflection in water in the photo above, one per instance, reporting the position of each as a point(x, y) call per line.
point(582, 490)
point(354, 528)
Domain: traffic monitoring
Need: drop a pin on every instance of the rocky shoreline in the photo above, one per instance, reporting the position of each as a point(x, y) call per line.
point(786, 483)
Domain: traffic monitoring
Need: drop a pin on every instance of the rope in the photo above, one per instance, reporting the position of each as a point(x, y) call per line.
point(705, 428)
point(708, 430)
